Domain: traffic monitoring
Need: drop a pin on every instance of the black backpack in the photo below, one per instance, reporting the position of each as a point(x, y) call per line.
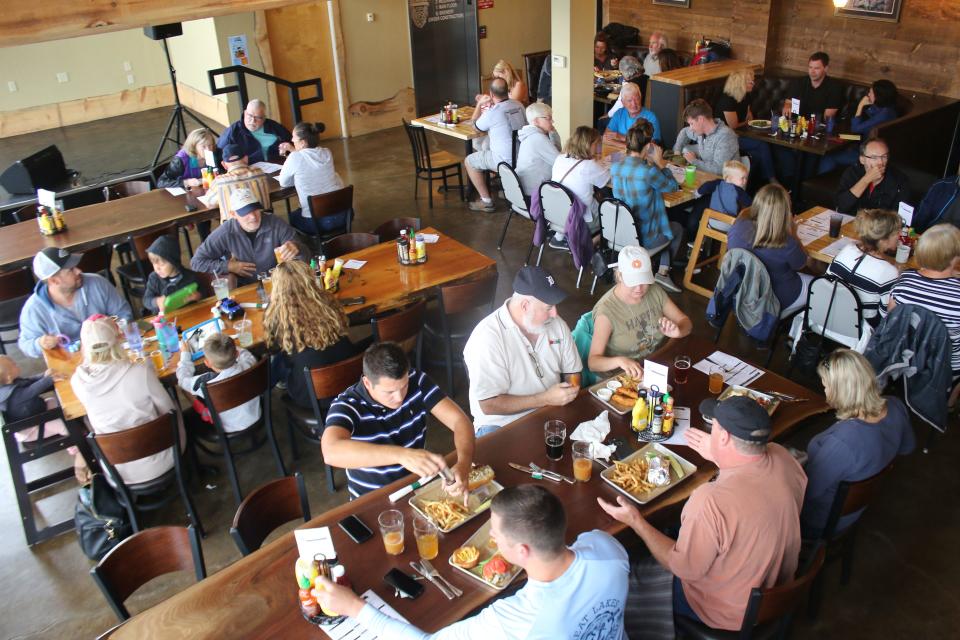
point(100, 519)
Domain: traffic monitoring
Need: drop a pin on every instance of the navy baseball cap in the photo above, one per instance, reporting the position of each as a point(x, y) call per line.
point(536, 282)
point(232, 153)
point(741, 416)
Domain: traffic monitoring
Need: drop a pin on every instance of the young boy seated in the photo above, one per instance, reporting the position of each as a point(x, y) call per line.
point(168, 274)
point(224, 360)
point(726, 196)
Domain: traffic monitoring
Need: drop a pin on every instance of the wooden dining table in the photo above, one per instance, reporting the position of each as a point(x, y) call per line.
point(256, 596)
point(383, 282)
point(111, 221)
point(816, 248)
point(684, 194)
point(463, 130)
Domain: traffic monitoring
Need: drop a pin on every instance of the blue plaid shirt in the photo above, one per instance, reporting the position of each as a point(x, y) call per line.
point(640, 185)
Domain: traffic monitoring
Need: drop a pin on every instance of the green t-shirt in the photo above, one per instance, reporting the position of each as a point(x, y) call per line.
point(636, 327)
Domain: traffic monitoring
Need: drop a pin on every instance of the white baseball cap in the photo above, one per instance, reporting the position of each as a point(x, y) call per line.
point(242, 201)
point(634, 266)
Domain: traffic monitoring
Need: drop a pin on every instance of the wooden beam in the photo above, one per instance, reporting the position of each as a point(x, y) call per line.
point(28, 21)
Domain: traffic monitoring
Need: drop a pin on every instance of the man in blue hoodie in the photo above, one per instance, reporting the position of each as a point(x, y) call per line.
point(63, 298)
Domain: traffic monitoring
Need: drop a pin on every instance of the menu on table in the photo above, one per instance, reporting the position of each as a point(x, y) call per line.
point(350, 628)
point(815, 227)
point(735, 371)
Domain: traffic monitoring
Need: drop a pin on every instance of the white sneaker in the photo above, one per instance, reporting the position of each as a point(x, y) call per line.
point(664, 280)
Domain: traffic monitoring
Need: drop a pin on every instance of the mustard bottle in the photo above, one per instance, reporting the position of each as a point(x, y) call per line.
point(639, 422)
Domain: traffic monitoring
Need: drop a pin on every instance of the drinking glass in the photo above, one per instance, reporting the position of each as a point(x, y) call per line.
point(157, 358)
point(582, 461)
point(427, 536)
point(681, 367)
point(690, 176)
point(221, 288)
point(555, 434)
point(391, 528)
point(836, 220)
point(716, 380)
point(573, 379)
point(244, 329)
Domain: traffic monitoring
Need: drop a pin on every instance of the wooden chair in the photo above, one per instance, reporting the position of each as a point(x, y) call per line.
point(850, 498)
point(15, 287)
point(327, 205)
point(348, 243)
point(769, 612)
point(223, 395)
point(144, 556)
point(153, 437)
point(439, 165)
point(390, 229)
point(456, 318)
point(403, 327)
point(109, 633)
point(324, 384)
point(126, 189)
point(134, 274)
point(717, 235)
point(19, 454)
point(266, 508)
point(98, 260)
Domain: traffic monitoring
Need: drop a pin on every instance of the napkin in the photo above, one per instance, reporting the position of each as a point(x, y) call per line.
point(595, 432)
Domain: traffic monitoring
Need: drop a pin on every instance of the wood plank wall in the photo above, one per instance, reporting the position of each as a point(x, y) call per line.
point(921, 52)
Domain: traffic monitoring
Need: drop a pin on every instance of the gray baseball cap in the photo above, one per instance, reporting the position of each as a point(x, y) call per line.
point(51, 260)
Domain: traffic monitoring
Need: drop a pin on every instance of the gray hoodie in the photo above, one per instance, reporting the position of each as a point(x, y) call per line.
point(535, 157)
point(40, 316)
point(712, 149)
point(121, 395)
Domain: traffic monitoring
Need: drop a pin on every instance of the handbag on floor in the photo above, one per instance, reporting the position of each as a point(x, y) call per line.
point(100, 519)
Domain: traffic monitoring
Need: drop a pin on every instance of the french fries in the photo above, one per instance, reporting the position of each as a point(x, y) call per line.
point(632, 476)
point(445, 513)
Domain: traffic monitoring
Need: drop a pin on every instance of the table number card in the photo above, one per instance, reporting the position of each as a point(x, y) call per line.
point(795, 106)
point(655, 374)
point(906, 214)
point(47, 198)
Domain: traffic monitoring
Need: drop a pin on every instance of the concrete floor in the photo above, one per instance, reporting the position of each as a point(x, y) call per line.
point(904, 583)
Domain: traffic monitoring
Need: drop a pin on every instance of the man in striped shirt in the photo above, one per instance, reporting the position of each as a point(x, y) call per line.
point(376, 429)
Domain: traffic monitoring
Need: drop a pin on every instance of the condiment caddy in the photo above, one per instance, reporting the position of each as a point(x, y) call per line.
point(50, 220)
point(411, 248)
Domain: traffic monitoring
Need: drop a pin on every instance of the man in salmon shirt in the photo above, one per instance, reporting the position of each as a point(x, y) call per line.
point(736, 533)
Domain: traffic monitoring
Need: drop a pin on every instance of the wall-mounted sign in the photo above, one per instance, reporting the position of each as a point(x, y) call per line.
point(484, 4)
point(238, 49)
point(482, 31)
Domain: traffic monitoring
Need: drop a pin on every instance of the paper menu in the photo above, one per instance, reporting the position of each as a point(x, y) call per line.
point(267, 167)
point(836, 247)
point(681, 422)
point(313, 541)
point(655, 373)
point(354, 264)
point(430, 238)
point(175, 191)
point(350, 628)
point(734, 370)
point(815, 227)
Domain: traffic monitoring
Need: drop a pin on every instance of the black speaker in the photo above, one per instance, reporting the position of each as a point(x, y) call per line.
point(161, 31)
point(43, 170)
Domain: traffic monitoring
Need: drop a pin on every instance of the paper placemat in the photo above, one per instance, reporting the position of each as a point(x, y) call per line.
point(350, 628)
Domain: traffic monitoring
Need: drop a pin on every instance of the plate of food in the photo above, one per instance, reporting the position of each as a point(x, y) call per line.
point(759, 124)
point(480, 559)
point(647, 473)
point(770, 403)
point(620, 392)
point(448, 512)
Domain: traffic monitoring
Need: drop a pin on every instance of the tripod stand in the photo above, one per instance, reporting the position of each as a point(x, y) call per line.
point(176, 123)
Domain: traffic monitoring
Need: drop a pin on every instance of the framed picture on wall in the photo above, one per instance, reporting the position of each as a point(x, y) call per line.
point(674, 3)
point(887, 10)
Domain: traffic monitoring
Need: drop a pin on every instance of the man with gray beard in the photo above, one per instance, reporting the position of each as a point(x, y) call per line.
point(518, 356)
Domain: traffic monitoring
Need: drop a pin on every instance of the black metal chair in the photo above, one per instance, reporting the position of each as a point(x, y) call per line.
point(439, 165)
point(223, 395)
point(144, 556)
point(153, 437)
point(266, 508)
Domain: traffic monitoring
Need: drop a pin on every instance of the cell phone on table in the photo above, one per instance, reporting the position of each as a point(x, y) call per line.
point(407, 586)
point(356, 529)
point(620, 448)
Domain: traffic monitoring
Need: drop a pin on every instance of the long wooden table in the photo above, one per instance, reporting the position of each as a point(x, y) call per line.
point(256, 597)
point(111, 221)
point(848, 230)
point(463, 130)
point(382, 281)
point(675, 198)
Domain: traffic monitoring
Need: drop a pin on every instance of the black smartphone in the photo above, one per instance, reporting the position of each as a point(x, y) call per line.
point(356, 529)
point(407, 586)
point(621, 448)
point(352, 301)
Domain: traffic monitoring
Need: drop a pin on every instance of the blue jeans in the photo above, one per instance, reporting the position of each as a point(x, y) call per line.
point(485, 429)
point(310, 227)
point(680, 605)
point(841, 158)
point(761, 156)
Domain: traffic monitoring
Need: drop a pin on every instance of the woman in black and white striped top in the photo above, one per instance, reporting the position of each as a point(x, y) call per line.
point(863, 265)
point(935, 285)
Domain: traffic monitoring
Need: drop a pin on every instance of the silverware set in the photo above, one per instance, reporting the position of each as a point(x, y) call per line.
point(426, 569)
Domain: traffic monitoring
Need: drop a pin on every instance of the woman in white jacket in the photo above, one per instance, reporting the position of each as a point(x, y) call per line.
point(539, 148)
point(118, 394)
point(310, 169)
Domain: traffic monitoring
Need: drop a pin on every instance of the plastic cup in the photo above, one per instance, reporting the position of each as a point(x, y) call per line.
point(573, 379)
point(156, 357)
point(690, 176)
point(391, 528)
point(221, 288)
point(715, 384)
point(554, 434)
point(427, 536)
point(582, 461)
point(681, 367)
point(277, 254)
point(244, 329)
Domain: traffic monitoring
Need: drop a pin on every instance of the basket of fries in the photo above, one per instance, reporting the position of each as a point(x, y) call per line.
point(449, 512)
point(633, 478)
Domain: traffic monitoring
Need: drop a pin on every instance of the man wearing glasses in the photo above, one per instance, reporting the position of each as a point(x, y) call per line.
point(261, 138)
point(518, 356)
point(871, 184)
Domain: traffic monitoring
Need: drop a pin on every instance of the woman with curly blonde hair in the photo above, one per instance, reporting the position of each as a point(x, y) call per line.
point(515, 84)
point(306, 324)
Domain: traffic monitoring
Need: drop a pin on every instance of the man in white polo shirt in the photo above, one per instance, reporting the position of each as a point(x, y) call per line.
point(517, 356)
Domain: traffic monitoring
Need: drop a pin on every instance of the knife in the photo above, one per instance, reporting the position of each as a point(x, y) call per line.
point(550, 474)
point(536, 474)
point(416, 567)
point(436, 575)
